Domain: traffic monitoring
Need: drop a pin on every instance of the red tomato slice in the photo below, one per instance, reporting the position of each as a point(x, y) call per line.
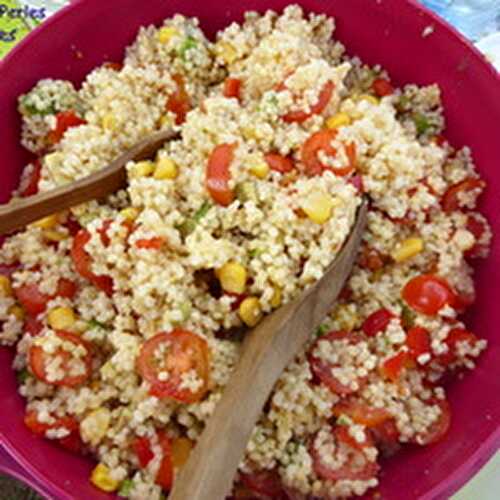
point(371, 259)
point(184, 351)
point(263, 482)
point(438, 430)
point(356, 467)
point(66, 288)
point(218, 174)
point(33, 301)
point(391, 368)
point(382, 87)
point(360, 413)
point(65, 120)
point(418, 341)
point(232, 88)
point(165, 475)
point(427, 294)
point(477, 227)
point(451, 199)
point(32, 326)
point(30, 183)
point(319, 141)
point(103, 232)
point(38, 360)
point(323, 370)
point(377, 322)
point(279, 163)
point(455, 336)
point(83, 261)
point(142, 449)
point(178, 102)
point(324, 97)
point(386, 436)
point(154, 243)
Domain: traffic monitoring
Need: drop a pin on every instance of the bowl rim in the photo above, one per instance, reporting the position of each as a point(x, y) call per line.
point(449, 485)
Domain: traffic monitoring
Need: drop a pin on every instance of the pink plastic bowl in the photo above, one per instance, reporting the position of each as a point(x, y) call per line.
point(388, 32)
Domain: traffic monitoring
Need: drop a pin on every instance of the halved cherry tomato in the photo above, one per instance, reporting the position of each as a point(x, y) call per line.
point(360, 413)
point(66, 288)
point(386, 437)
point(83, 261)
point(356, 464)
point(382, 87)
point(477, 227)
point(418, 341)
point(323, 370)
point(232, 87)
point(30, 183)
point(183, 351)
point(154, 243)
point(32, 325)
point(319, 141)
point(165, 475)
point(142, 449)
point(438, 430)
point(264, 482)
point(218, 174)
point(178, 102)
point(33, 301)
point(65, 120)
point(72, 442)
point(371, 259)
point(38, 360)
point(377, 322)
point(428, 293)
point(324, 97)
point(391, 368)
point(279, 163)
point(455, 336)
point(451, 198)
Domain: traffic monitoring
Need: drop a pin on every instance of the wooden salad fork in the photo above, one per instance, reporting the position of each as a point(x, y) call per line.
point(20, 212)
point(267, 349)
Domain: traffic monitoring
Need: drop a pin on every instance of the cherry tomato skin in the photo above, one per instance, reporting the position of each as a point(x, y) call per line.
point(451, 201)
point(31, 183)
point(178, 102)
point(66, 288)
point(186, 351)
point(33, 301)
point(65, 120)
point(218, 174)
point(165, 475)
point(361, 413)
point(263, 482)
point(437, 430)
point(392, 367)
point(38, 358)
point(427, 294)
point(382, 87)
point(32, 326)
point(455, 336)
point(371, 259)
point(324, 97)
point(279, 163)
point(142, 449)
point(154, 243)
point(232, 88)
point(418, 341)
point(319, 141)
point(477, 228)
point(377, 322)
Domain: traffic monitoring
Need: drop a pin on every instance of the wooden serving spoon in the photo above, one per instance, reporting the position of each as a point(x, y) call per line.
point(267, 349)
point(20, 212)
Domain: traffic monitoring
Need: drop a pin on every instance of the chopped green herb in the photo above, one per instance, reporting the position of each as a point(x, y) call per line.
point(202, 211)
point(322, 329)
point(421, 123)
point(189, 225)
point(30, 109)
point(255, 252)
point(343, 420)
point(93, 323)
point(126, 488)
point(403, 103)
point(188, 44)
point(407, 317)
point(22, 376)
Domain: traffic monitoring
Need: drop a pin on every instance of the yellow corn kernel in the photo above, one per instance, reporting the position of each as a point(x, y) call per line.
point(95, 425)
point(48, 222)
point(340, 119)
point(166, 121)
point(369, 98)
point(101, 478)
point(276, 298)
point(181, 449)
point(61, 318)
point(166, 33)
point(226, 52)
point(142, 169)
point(5, 286)
point(407, 249)
point(54, 235)
point(250, 311)
point(232, 277)
point(17, 312)
point(346, 317)
point(318, 206)
point(260, 169)
point(165, 169)
point(130, 213)
point(109, 122)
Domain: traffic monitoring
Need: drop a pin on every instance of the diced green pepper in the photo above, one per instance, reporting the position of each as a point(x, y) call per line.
point(93, 323)
point(126, 488)
point(322, 329)
point(188, 44)
point(22, 376)
point(421, 123)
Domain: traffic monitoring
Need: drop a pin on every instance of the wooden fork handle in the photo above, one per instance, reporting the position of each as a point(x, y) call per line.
point(210, 471)
point(20, 212)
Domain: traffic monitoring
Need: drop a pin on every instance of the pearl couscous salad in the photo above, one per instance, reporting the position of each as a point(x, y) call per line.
point(127, 314)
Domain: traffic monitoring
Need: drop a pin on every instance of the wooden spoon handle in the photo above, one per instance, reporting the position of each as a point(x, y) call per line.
point(210, 471)
point(20, 212)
